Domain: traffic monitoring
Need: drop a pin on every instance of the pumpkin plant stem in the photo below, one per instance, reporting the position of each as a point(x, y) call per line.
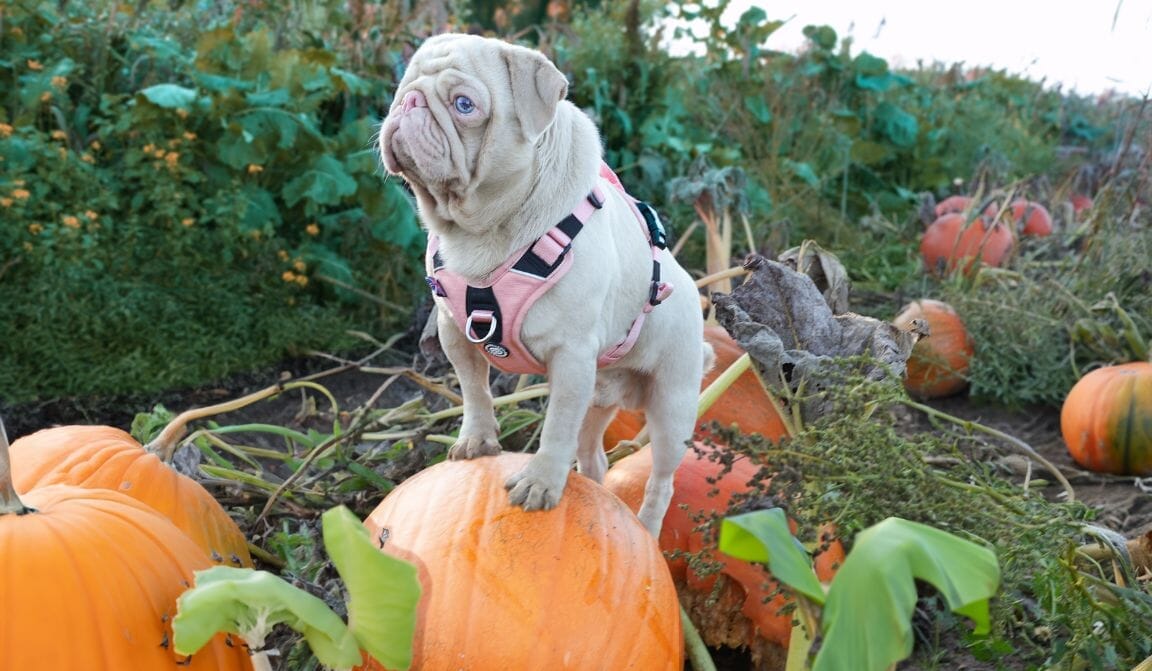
point(164, 444)
point(9, 501)
point(1015, 442)
point(694, 645)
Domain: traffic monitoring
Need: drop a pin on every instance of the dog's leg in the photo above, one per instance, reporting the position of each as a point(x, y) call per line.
point(590, 458)
point(671, 420)
point(538, 485)
point(479, 432)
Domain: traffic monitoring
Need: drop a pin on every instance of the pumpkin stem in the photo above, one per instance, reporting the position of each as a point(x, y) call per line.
point(9, 501)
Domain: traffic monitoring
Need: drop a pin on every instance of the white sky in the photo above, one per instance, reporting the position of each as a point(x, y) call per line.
point(1068, 41)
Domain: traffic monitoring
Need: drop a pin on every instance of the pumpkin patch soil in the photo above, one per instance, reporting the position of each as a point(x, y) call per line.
point(1124, 503)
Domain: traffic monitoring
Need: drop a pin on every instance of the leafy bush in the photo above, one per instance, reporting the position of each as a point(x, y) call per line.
point(176, 213)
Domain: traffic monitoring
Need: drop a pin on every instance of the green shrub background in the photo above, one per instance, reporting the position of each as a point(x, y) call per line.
point(189, 190)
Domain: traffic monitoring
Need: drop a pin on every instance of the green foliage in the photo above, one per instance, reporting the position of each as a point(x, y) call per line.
point(859, 465)
point(179, 211)
point(383, 594)
point(865, 620)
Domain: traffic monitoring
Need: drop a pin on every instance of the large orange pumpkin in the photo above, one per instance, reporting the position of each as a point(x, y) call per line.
point(952, 243)
point(939, 363)
point(90, 580)
point(581, 586)
point(104, 457)
point(746, 404)
point(1031, 218)
point(703, 489)
point(1106, 419)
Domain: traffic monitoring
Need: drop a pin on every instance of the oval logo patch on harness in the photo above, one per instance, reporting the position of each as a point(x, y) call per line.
point(496, 350)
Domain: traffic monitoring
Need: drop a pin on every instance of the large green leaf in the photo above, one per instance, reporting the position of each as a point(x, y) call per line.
point(170, 96)
point(898, 126)
point(249, 603)
point(383, 591)
point(866, 618)
point(763, 536)
point(326, 182)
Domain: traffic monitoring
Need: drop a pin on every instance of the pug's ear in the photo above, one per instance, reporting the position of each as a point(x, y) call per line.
point(537, 87)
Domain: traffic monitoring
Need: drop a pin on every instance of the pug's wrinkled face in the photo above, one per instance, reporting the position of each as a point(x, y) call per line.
point(468, 111)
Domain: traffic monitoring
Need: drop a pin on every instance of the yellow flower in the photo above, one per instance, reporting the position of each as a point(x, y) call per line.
point(45, 96)
point(70, 221)
point(59, 135)
point(182, 113)
point(91, 216)
point(288, 276)
point(21, 194)
point(312, 229)
point(302, 280)
point(187, 222)
point(189, 135)
point(254, 168)
point(35, 65)
point(283, 255)
point(6, 202)
point(59, 82)
point(35, 229)
point(5, 130)
point(149, 148)
point(95, 145)
point(299, 265)
point(87, 158)
point(159, 153)
point(172, 159)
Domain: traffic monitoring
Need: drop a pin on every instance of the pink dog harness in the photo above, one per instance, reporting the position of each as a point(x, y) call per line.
point(492, 314)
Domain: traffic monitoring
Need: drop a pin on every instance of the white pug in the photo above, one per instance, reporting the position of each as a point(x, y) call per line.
point(496, 158)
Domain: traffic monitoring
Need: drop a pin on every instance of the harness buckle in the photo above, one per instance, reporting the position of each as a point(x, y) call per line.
point(480, 316)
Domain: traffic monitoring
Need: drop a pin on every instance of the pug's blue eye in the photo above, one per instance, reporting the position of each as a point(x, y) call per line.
point(464, 105)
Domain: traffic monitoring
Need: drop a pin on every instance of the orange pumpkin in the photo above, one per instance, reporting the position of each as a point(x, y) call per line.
point(90, 580)
point(746, 404)
point(961, 204)
point(951, 243)
point(1080, 203)
point(103, 457)
point(1106, 419)
point(1031, 218)
point(938, 365)
point(702, 490)
point(581, 586)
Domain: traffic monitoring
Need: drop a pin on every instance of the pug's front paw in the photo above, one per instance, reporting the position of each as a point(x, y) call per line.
point(470, 447)
point(536, 486)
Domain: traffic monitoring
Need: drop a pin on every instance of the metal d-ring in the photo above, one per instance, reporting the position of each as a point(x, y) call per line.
point(489, 334)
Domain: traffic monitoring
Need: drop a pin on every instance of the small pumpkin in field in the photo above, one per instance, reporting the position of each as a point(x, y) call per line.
point(104, 457)
point(1106, 419)
point(736, 606)
point(746, 404)
point(952, 243)
point(581, 586)
point(1032, 218)
point(939, 363)
point(90, 581)
point(961, 204)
